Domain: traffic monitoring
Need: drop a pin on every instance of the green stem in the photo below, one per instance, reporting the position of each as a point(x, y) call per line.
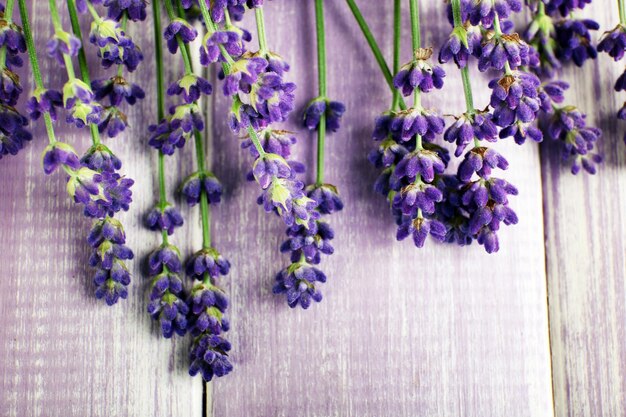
point(93, 12)
point(123, 26)
point(621, 4)
point(416, 39)
point(541, 9)
point(467, 86)
point(82, 58)
point(416, 36)
point(498, 31)
point(199, 145)
point(8, 16)
point(397, 44)
point(34, 63)
point(321, 70)
point(371, 41)
point(260, 27)
point(158, 60)
point(58, 27)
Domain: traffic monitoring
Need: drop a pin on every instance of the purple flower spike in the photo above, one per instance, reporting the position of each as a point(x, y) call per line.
point(309, 243)
point(484, 11)
point(419, 74)
point(298, 283)
point(209, 357)
point(460, 45)
point(10, 87)
point(332, 110)
point(166, 306)
point(164, 138)
point(614, 43)
point(197, 183)
point(181, 28)
point(62, 43)
point(326, 196)
point(58, 154)
point(271, 166)
point(166, 256)
point(481, 161)
point(419, 229)
point(574, 40)
point(405, 125)
point(210, 48)
point(190, 88)
point(13, 134)
point(207, 261)
point(117, 89)
point(469, 127)
point(497, 51)
point(44, 101)
point(564, 7)
point(167, 218)
point(515, 98)
point(134, 9)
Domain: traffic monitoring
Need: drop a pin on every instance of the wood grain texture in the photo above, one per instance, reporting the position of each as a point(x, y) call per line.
point(62, 353)
point(442, 331)
point(585, 228)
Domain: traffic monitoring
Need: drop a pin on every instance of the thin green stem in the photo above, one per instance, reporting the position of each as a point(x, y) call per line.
point(541, 8)
point(123, 26)
point(158, 60)
point(93, 12)
point(621, 4)
point(260, 27)
point(397, 44)
point(321, 71)
point(371, 41)
point(34, 63)
point(467, 86)
point(416, 39)
point(416, 36)
point(82, 59)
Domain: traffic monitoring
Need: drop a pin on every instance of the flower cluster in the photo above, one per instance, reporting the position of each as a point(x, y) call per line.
point(557, 36)
point(13, 131)
point(115, 48)
point(613, 43)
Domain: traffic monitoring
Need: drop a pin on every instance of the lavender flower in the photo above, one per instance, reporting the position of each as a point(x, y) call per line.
point(166, 304)
point(498, 50)
point(468, 127)
point(13, 133)
point(326, 196)
point(210, 48)
point(100, 158)
point(57, 154)
point(209, 357)
point(332, 110)
point(117, 89)
point(484, 11)
point(419, 74)
point(419, 228)
point(107, 238)
point(44, 101)
point(574, 40)
point(190, 88)
point(134, 9)
point(460, 45)
point(298, 282)
point(569, 126)
point(514, 98)
point(179, 29)
point(613, 42)
point(61, 44)
point(195, 184)
point(165, 218)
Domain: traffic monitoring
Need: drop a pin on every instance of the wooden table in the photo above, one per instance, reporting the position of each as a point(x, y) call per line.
point(535, 330)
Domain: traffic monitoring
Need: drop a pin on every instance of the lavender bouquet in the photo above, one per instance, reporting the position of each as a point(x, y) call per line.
point(440, 174)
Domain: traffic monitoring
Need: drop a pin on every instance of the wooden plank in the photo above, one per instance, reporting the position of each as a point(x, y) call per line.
point(63, 353)
point(585, 228)
point(442, 331)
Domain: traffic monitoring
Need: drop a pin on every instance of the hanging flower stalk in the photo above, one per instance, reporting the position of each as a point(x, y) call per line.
point(115, 49)
point(13, 131)
point(306, 244)
point(613, 42)
point(92, 181)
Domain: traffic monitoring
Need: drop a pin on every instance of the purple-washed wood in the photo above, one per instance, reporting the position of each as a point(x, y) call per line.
point(63, 353)
point(401, 331)
point(585, 229)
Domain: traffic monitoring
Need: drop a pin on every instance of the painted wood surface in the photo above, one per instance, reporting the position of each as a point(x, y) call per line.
point(585, 221)
point(441, 331)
